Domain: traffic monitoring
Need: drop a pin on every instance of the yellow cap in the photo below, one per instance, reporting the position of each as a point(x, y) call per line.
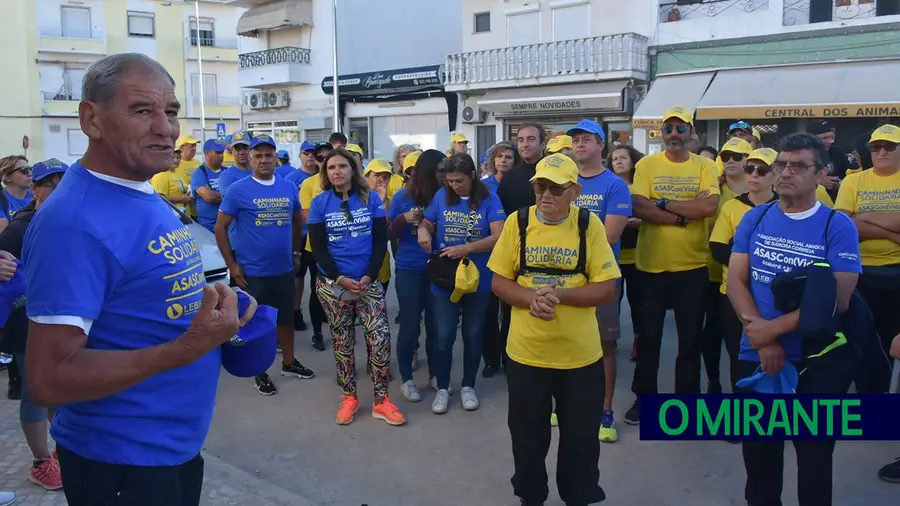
point(756, 134)
point(467, 278)
point(185, 139)
point(411, 159)
point(889, 133)
point(378, 165)
point(681, 113)
point(765, 155)
point(558, 168)
point(558, 143)
point(458, 138)
point(354, 148)
point(737, 145)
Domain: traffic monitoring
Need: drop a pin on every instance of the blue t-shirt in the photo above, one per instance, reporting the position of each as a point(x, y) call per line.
point(139, 277)
point(779, 244)
point(350, 243)
point(605, 194)
point(409, 255)
point(227, 178)
point(15, 203)
point(284, 170)
point(451, 223)
point(207, 213)
point(263, 216)
point(491, 182)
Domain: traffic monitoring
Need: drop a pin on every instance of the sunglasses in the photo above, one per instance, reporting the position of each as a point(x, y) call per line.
point(728, 156)
point(761, 171)
point(682, 129)
point(888, 147)
point(554, 189)
point(345, 207)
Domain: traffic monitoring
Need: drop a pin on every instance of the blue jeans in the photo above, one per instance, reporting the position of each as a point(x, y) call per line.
point(413, 296)
point(473, 309)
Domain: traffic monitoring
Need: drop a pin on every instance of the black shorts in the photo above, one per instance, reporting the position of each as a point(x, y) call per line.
point(276, 291)
point(307, 262)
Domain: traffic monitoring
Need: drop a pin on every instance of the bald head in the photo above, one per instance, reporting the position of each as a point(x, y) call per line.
point(101, 80)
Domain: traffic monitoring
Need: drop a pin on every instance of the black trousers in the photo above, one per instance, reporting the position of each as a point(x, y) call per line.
point(884, 302)
point(316, 313)
point(577, 392)
point(711, 351)
point(732, 329)
point(494, 349)
point(764, 460)
point(686, 292)
point(633, 289)
point(89, 482)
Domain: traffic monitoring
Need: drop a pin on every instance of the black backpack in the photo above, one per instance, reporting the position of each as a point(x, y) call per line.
point(584, 220)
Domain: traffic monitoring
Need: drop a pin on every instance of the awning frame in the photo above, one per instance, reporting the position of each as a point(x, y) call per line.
point(275, 15)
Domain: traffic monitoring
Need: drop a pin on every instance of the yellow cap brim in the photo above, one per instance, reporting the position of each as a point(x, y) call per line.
point(554, 177)
point(683, 117)
point(877, 136)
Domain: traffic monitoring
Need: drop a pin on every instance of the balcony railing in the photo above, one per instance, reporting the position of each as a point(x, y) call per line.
point(801, 12)
point(276, 56)
point(671, 11)
point(72, 34)
point(216, 100)
point(62, 95)
point(612, 53)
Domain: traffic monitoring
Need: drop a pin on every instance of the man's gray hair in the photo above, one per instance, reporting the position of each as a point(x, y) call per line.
point(101, 80)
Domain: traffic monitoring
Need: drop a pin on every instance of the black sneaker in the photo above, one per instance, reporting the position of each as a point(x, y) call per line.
point(296, 369)
point(264, 385)
point(15, 391)
point(318, 342)
point(633, 415)
point(489, 371)
point(891, 472)
point(299, 324)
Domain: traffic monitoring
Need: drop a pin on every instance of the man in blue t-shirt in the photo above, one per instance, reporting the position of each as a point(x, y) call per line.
point(205, 184)
point(125, 333)
point(777, 238)
point(265, 212)
point(607, 196)
point(284, 168)
point(240, 149)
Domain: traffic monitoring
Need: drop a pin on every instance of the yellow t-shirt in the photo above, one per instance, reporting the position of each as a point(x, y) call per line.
point(394, 185)
point(309, 189)
point(716, 270)
point(169, 184)
point(227, 159)
point(867, 192)
point(823, 196)
point(572, 339)
point(730, 215)
point(671, 248)
point(185, 170)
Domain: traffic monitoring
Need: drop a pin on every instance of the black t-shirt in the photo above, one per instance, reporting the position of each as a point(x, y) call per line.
point(515, 190)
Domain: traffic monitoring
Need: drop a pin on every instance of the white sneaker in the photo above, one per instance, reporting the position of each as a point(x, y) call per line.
point(7, 498)
point(410, 391)
point(469, 399)
point(415, 361)
point(441, 402)
point(432, 382)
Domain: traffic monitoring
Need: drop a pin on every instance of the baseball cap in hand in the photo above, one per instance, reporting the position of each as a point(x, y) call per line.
point(213, 145)
point(586, 125)
point(262, 139)
point(818, 127)
point(467, 279)
point(252, 350)
point(43, 169)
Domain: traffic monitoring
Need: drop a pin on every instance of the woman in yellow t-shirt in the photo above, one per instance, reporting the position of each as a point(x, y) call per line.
point(171, 187)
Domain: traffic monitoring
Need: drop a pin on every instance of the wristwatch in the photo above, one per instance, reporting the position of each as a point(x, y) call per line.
point(661, 203)
point(682, 221)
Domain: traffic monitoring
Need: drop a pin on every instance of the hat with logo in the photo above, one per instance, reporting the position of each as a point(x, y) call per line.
point(378, 165)
point(785, 382)
point(737, 145)
point(740, 125)
point(765, 155)
point(411, 159)
point(558, 143)
point(887, 133)
point(586, 125)
point(252, 350)
point(467, 278)
point(681, 113)
point(283, 154)
point(755, 132)
point(307, 146)
point(213, 145)
point(43, 169)
point(818, 127)
point(185, 139)
point(12, 293)
point(557, 168)
point(240, 137)
point(262, 139)
point(458, 138)
point(354, 148)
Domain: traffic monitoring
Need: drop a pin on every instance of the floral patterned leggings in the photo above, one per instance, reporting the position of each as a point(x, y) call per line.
point(372, 312)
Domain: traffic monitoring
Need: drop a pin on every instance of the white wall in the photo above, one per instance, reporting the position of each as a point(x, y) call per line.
point(144, 45)
point(56, 144)
point(49, 18)
point(226, 79)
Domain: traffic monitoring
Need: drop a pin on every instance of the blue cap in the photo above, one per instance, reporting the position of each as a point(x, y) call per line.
point(43, 169)
point(228, 139)
point(252, 351)
point(262, 139)
point(586, 125)
point(307, 146)
point(740, 125)
point(12, 293)
point(240, 137)
point(785, 382)
point(483, 158)
point(283, 154)
point(213, 145)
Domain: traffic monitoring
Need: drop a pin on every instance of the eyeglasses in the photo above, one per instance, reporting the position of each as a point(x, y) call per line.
point(793, 167)
point(888, 147)
point(345, 207)
point(728, 156)
point(682, 129)
point(554, 189)
point(761, 171)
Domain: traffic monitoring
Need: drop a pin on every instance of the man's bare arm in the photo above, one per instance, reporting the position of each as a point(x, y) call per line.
point(695, 210)
point(222, 240)
point(208, 195)
point(739, 285)
point(647, 211)
point(589, 295)
point(511, 292)
point(615, 225)
point(889, 221)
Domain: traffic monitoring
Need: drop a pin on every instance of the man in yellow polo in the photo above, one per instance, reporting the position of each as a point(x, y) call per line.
point(188, 147)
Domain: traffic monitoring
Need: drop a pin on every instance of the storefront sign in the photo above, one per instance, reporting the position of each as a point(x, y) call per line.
point(647, 124)
point(559, 105)
point(654, 134)
point(806, 111)
point(408, 80)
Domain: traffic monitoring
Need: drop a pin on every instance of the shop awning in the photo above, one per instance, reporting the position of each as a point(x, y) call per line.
point(275, 15)
point(833, 90)
point(666, 92)
point(554, 100)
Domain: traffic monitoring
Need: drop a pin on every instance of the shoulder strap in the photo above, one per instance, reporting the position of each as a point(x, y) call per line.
point(761, 215)
point(522, 217)
point(584, 221)
point(827, 227)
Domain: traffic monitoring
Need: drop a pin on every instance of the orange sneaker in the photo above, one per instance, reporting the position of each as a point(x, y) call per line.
point(348, 409)
point(46, 474)
point(388, 412)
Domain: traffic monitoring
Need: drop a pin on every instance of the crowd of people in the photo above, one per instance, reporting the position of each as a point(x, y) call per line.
point(527, 254)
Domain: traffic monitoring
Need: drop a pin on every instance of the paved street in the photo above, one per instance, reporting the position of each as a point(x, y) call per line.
point(287, 450)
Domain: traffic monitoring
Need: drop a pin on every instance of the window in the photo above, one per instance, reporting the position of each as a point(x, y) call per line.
point(482, 22)
point(140, 24)
point(523, 29)
point(318, 135)
point(204, 31)
point(209, 88)
point(572, 22)
point(78, 142)
point(72, 78)
point(76, 22)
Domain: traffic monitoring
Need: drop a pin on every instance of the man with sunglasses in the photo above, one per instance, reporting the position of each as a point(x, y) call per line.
point(309, 189)
point(17, 182)
point(794, 232)
point(674, 192)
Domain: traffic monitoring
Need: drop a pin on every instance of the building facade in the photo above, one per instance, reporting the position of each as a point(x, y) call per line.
point(776, 64)
point(52, 42)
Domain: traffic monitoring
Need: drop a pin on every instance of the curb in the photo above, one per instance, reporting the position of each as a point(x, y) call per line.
point(218, 469)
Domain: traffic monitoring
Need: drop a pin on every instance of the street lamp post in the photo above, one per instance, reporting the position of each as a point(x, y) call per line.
point(200, 70)
point(334, 69)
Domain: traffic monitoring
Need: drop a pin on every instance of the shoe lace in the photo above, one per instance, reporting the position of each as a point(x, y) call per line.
point(388, 407)
point(265, 380)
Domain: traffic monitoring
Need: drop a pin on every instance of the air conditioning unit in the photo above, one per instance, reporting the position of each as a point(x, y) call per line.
point(473, 115)
point(269, 99)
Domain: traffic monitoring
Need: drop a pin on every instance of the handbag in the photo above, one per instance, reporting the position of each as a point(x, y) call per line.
point(442, 270)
